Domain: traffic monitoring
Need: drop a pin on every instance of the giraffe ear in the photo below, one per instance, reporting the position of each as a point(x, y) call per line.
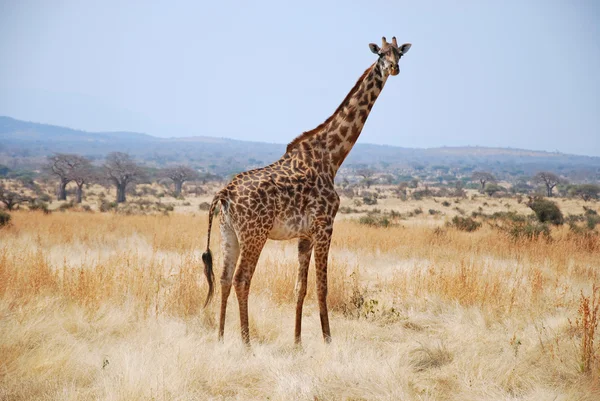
point(374, 48)
point(404, 48)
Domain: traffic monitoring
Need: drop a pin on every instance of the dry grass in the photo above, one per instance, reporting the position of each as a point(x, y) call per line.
point(105, 306)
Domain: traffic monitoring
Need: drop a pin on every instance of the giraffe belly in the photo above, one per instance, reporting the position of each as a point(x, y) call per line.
point(288, 229)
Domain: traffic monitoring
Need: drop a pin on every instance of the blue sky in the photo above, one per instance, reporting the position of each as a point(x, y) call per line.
point(523, 74)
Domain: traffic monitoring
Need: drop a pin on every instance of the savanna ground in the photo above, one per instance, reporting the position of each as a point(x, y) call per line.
point(109, 306)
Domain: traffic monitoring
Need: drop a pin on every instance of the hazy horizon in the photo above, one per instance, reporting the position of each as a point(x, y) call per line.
point(512, 75)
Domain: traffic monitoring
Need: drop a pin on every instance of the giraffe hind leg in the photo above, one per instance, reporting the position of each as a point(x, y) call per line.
point(305, 247)
point(249, 254)
point(230, 250)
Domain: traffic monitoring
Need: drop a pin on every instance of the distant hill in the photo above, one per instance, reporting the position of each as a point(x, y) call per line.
point(29, 143)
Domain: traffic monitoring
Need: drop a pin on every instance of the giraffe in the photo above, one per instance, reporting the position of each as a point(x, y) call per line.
point(294, 198)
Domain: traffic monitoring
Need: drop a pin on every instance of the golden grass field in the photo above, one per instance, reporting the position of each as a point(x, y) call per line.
point(105, 306)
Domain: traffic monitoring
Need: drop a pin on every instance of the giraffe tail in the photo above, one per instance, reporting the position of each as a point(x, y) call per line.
point(207, 256)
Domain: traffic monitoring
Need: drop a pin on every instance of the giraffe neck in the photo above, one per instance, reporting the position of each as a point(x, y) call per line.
point(331, 141)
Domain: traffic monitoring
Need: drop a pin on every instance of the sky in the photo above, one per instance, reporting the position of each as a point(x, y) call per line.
point(521, 74)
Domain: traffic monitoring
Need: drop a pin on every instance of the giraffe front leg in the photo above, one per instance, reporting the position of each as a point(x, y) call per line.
point(305, 247)
point(321, 254)
point(230, 250)
point(250, 252)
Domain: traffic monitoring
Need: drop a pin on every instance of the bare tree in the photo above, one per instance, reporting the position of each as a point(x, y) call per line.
point(367, 175)
point(179, 175)
point(120, 169)
point(82, 173)
point(550, 180)
point(483, 177)
point(11, 199)
point(61, 165)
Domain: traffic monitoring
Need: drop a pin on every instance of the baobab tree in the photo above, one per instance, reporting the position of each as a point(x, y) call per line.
point(179, 175)
point(120, 169)
point(483, 177)
point(61, 166)
point(82, 173)
point(550, 180)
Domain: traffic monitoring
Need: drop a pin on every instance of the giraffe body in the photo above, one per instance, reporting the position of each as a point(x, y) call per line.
point(294, 197)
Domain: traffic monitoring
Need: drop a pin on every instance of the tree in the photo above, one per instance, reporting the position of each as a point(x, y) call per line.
point(586, 191)
point(4, 170)
point(483, 177)
point(10, 198)
point(550, 180)
point(61, 166)
point(120, 169)
point(179, 175)
point(82, 173)
point(367, 175)
point(492, 188)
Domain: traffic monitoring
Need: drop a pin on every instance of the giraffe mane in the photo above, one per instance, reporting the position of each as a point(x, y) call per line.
point(307, 134)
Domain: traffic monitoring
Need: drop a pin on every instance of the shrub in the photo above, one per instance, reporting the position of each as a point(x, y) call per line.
point(433, 212)
point(592, 220)
point(369, 198)
point(4, 218)
point(465, 224)
point(41, 206)
point(204, 206)
point(372, 219)
point(44, 198)
point(395, 215)
point(546, 211)
point(459, 210)
point(107, 206)
point(529, 230)
point(445, 203)
point(512, 216)
point(65, 206)
point(166, 207)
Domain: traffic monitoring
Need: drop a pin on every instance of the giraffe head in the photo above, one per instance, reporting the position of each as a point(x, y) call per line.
point(389, 54)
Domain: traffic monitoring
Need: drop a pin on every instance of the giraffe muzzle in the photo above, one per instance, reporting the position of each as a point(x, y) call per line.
point(395, 70)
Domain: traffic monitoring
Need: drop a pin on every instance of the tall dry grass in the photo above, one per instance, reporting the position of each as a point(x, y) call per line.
point(104, 306)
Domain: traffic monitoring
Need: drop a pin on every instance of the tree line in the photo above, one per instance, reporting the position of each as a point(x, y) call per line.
point(547, 179)
point(119, 169)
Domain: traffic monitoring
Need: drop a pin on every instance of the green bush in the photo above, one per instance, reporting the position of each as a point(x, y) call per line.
point(374, 220)
point(546, 211)
point(512, 216)
point(4, 218)
point(528, 231)
point(464, 224)
point(592, 220)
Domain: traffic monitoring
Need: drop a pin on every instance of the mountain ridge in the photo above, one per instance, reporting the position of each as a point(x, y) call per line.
point(28, 143)
point(9, 129)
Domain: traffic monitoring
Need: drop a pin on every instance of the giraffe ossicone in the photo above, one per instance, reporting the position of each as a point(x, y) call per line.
point(294, 197)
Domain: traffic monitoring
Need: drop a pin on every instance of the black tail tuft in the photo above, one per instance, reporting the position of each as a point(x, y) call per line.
point(210, 276)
